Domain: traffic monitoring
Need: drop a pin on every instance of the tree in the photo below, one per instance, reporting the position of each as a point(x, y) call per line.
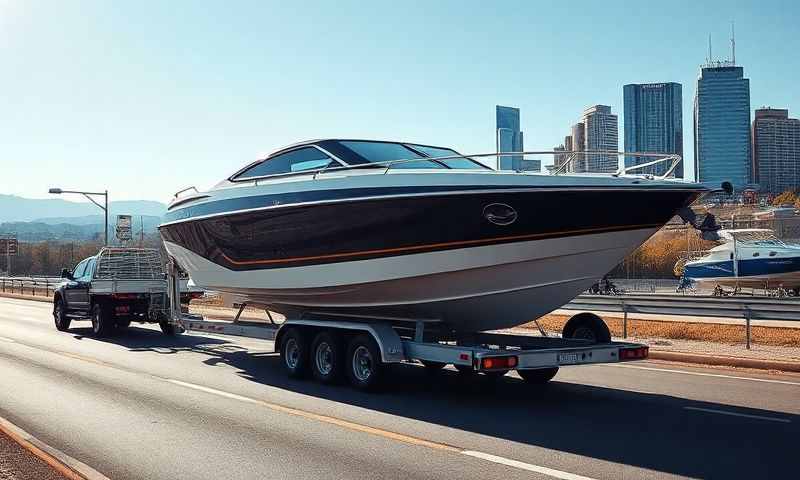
point(788, 197)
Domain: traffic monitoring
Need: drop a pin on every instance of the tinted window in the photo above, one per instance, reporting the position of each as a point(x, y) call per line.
point(461, 163)
point(295, 161)
point(79, 269)
point(385, 152)
point(87, 274)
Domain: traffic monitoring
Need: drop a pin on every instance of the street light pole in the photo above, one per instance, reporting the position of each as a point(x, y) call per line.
point(104, 207)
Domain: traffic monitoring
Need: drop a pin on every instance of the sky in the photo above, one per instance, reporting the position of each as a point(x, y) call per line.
point(146, 98)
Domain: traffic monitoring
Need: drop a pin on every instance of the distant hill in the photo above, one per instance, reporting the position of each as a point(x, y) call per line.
point(35, 220)
point(19, 209)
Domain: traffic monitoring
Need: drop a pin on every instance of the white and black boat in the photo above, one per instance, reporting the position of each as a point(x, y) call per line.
point(753, 258)
point(400, 231)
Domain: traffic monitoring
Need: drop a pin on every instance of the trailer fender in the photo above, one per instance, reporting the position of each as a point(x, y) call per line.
point(389, 342)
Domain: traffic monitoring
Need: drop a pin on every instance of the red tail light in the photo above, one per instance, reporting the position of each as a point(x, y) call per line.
point(637, 353)
point(124, 296)
point(493, 363)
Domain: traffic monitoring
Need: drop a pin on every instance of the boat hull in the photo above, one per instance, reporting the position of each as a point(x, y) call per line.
point(479, 288)
point(752, 273)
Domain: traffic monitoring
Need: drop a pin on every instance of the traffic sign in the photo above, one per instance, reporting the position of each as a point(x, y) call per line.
point(8, 246)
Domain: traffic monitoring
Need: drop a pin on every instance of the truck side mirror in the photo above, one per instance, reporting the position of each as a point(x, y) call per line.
point(65, 273)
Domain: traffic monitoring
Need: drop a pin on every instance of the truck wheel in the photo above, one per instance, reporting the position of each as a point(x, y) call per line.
point(326, 357)
point(101, 321)
point(60, 316)
point(539, 376)
point(294, 353)
point(364, 366)
point(587, 326)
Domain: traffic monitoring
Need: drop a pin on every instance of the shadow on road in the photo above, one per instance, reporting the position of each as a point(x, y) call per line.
point(651, 431)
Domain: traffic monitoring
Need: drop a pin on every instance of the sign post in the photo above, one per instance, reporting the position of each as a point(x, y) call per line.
point(10, 247)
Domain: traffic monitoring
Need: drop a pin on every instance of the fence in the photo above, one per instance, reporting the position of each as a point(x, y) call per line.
point(746, 309)
point(36, 286)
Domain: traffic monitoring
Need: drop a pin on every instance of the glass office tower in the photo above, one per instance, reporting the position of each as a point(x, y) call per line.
point(509, 138)
point(722, 150)
point(653, 124)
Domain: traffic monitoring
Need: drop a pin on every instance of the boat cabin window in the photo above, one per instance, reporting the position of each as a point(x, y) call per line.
point(377, 152)
point(300, 160)
point(756, 254)
point(731, 256)
point(457, 163)
point(772, 254)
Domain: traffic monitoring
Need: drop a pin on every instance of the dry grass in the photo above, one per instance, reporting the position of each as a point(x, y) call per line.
point(707, 332)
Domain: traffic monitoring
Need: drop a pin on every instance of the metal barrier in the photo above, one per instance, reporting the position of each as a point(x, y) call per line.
point(34, 286)
point(698, 306)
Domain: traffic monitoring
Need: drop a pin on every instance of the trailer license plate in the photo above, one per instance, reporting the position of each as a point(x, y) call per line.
point(567, 358)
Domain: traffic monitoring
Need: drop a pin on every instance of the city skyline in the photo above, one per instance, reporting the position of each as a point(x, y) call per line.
point(204, 90)
point(776, 150)
point(653, 122)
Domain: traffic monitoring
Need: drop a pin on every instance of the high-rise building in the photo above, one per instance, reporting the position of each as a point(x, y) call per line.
point(560, 157)
point(601, 134)
point(722, 125)
point(578, 163)
point(653, 124)
point(509, 138)
point(776, 150)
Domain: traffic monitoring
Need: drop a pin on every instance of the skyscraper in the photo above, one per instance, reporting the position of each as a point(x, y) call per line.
point(653, 124)
point(601, 134)
point(578, 145)
point(509, 137)
point(722, 125)
point(776, 150)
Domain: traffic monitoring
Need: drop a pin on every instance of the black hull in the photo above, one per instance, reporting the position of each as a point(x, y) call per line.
point(359, 229)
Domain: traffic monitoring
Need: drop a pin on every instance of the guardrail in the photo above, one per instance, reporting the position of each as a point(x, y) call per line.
point(698, 306)
point(43, 286)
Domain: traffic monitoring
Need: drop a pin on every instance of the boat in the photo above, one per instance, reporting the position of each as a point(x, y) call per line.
point(399, 231)
point(752, 258)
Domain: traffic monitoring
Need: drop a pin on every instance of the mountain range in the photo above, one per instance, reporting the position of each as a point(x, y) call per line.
point(56, 219)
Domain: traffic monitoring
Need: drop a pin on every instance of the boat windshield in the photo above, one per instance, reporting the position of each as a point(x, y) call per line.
point(461, 162)
point(377, 152)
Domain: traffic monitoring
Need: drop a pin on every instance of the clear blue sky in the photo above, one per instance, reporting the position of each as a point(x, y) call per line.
point(148, 97)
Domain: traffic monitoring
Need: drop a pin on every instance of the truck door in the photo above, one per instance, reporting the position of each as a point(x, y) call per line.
point(73, 289)
point(84, 283)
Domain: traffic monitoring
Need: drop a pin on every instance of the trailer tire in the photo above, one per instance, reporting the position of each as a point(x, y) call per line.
point(327, 354)
point(539, 376)
point(101, 320)
point(294, 353)
point(587, 326)
point(365, 369)
point(60, 316)
point(169, 329)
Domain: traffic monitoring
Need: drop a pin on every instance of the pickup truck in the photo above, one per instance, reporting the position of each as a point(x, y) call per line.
point(113, 288)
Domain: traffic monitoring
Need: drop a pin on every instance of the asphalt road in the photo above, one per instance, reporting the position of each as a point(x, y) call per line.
point(196, 406)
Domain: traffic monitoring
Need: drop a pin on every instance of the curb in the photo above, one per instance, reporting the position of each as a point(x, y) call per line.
point(61, 462)
point(26, 297)
point(785, 366)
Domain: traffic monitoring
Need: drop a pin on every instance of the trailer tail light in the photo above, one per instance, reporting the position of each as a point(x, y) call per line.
point(122, 309)
point(637, 353)
point(494, 363)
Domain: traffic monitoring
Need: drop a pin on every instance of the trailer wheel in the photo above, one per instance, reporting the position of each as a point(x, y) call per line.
point(60, 316)
point(169, 329)
point(587, 326)
point(326, 357)
point(364, 366)
point(294, 353)
point(539, 376)
point(101, 320)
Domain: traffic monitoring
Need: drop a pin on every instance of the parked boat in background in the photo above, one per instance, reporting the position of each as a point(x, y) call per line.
point(753, 258)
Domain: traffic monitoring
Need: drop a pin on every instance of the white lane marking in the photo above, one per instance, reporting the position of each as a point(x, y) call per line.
point(700, 374)
point(736, 414)
point(9, 340)
point(387, 434)
point(525, 466)
point(213, 391)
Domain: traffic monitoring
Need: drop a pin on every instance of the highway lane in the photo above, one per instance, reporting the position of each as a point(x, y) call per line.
point(198, 406)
